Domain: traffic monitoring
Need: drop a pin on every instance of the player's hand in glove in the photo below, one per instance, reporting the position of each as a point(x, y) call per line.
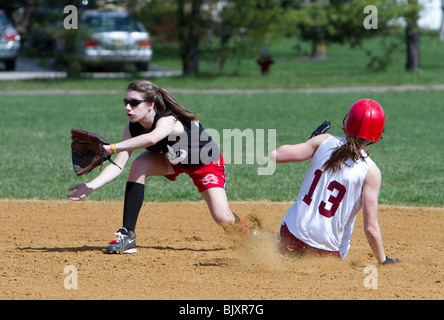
point(323, 128)
point(390, 260)
point(88, 151)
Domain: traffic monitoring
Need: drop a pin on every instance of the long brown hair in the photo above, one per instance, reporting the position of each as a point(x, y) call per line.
point(162, 100)
point(351, 149)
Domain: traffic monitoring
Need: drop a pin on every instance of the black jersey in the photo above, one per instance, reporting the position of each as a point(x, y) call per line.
point(195, 145)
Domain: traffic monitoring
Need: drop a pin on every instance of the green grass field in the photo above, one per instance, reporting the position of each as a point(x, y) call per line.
point(36, 161)
point(35, 129)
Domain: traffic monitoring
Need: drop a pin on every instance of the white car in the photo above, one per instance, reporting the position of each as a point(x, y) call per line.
point(115, 37)
point(9, 42)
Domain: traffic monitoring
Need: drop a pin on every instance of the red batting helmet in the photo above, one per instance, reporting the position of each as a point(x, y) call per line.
point(365, 119)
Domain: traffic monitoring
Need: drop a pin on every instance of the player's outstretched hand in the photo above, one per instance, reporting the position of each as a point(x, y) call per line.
point(323, 128)
point(390, 260)
point(81, 191)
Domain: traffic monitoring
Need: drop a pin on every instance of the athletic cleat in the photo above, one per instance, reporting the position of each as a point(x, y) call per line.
point(238, 228)
point(245, 229)
point(124, 243)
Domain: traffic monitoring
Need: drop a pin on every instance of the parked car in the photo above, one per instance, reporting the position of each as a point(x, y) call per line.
point(9, 42)
point(115, 37)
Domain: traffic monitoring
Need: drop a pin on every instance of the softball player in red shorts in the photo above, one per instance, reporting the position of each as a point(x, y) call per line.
point(175, 143)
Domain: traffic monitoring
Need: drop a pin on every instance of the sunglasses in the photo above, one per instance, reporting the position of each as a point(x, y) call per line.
point(133, 102)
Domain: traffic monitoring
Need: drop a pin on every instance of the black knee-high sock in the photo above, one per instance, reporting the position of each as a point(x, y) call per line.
point(134, 195)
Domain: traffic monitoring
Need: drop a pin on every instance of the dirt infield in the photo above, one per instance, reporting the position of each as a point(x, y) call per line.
point(184, 255)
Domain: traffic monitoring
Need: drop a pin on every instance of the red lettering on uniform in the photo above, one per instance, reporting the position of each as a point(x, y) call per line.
point(334, 200)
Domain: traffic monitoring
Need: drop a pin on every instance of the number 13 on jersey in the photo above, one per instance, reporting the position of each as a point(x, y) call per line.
point(335, 200)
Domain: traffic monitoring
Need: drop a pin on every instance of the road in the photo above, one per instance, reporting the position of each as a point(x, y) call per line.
point(27, 69)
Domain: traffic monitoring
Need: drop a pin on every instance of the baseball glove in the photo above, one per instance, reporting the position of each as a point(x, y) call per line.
point(323, 128)
point(87, 151)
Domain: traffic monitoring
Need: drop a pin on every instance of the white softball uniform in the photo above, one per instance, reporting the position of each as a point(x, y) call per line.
point(324, 214)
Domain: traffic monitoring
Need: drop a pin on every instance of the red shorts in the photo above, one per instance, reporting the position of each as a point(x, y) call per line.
point(204, 176)
point(291, 243)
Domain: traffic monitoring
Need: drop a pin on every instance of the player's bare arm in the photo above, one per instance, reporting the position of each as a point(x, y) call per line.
point(165, 126)
point(298, 152)
point(370, 193)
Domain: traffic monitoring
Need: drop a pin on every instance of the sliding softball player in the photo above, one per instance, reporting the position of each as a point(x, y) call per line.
point(342, 179)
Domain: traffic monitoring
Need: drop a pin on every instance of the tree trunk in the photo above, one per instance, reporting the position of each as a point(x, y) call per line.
point(188, 14)
point(225, 35)
point(413, 37)
point(319, 47)
point(319, 50)
point(441, 29)
point(413, 48)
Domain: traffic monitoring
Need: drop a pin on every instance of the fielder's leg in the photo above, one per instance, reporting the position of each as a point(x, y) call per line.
point(217, 202)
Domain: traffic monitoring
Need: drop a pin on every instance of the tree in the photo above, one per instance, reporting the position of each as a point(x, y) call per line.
point(243, 25)
point(341, 21)
point(176, 20)
point(189, 28)
point(318, 14)
point(413, 36)
point(326, 21)
point(238, 24)
point(441, 29)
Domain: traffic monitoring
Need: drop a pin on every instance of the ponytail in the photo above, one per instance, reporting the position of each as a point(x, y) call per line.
point(175, 107)
point(351, 149)
point(163, 100)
